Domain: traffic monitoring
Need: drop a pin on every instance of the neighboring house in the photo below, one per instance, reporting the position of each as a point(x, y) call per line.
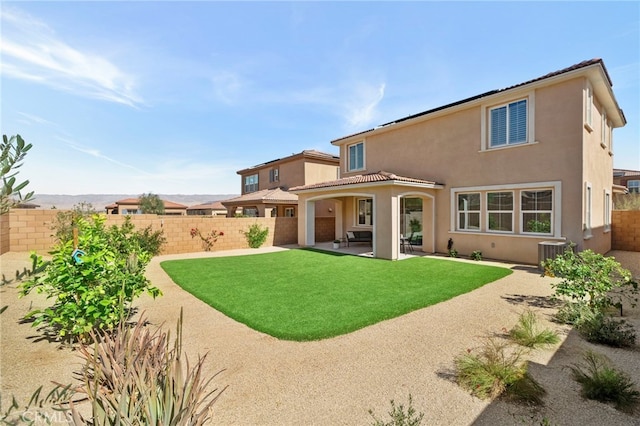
point(628, 179)
point(499, 172)
point(265, 186)
point(213, 208)
point(132, 206)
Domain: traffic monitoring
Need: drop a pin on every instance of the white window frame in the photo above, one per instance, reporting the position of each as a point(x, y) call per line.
point(588, 107)
point(588, 209)
point(511, 212)
point(633, 186)
point(289, 212)
point(357, 159)
point(368, 218)
point(251, 186)
point(603, 130)
point(607, 210)
point(550, 212)
point(468, 212)
point(485, 121)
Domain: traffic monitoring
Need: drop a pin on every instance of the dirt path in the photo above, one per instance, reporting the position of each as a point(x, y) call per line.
point(336, 381)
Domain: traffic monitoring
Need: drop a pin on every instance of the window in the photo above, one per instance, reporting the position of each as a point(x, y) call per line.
point(587, 209)
point(250, 211)
point(289, 212)
point(508, 124)
point(356, 156)
point(469, 212)
point(500, 211)
point(633, 186)
point(536, 209)
point(365, 211)
point(603, 131)
point(274, 175)
point(607, 211)
point(588, 108)
point(250, 183)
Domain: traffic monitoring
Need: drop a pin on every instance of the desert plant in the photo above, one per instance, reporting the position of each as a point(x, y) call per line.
point(602, 382)
point(626, 201)
point(496, 370)
point(93, 284)
point(400, 417)
point(526, 332)
point(476, 255)
point(65, 220)
point(12, 153)
point(453, 253)
point(597, 327)
point(137, 376)
point(256, 235)
point(208, 240)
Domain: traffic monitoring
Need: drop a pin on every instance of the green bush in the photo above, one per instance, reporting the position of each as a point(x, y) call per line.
point(602, 382)
point(476, 255)
point(256, 235)
point(597, 327)
point(592, 278)
point(400, 417)
point(93, 290)
point(526, 332)
point(496, 370)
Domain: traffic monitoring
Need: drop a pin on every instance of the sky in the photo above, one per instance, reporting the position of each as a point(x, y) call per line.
point(175, 97)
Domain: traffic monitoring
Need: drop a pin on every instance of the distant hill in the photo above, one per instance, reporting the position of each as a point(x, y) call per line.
point(99, 201)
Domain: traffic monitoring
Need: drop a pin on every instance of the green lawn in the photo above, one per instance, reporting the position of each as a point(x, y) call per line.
point(309, 295)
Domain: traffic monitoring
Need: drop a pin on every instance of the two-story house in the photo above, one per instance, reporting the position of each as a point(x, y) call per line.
point(265, 187)
point(499, 172)
point(629, 180)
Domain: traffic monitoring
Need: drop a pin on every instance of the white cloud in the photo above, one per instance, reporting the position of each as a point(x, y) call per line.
point(360, 110)
point(31, 51)
point(97, 154)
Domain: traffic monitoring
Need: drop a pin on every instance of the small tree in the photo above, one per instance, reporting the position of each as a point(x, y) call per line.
point(151, 204)
point(591, 278)
point(12, 153)
point(256, 235)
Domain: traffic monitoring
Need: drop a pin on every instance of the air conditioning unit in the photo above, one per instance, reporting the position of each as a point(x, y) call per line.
point(549, 250)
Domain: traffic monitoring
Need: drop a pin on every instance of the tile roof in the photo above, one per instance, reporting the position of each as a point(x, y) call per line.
point(276, 195)
point(136, 201)
point(625, 172)
point(575, 67)
point(375, 177)
point(214, 205)
point(308, 153)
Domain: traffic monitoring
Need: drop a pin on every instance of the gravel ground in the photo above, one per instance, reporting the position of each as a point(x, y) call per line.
point(337, 381)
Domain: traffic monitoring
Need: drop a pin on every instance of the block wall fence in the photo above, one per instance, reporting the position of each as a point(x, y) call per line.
point(625, 230)
point(25, 230)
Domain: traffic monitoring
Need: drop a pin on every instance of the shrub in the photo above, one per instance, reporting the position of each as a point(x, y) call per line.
point(497, 370)
point(95, 290)
point(597, 327)
point(590, 277)
point(138, 376)
point(256, 235)
point(400, 417)
point(208, 240)
point(601, 382)
point(476, 255)
point(453, 253)
point(526, 332)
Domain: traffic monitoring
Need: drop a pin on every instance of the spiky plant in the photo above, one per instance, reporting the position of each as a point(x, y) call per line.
point(527, 333)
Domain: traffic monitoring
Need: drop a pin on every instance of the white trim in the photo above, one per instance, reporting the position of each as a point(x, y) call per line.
point(607, 210)
point(508, 98)
point(556, 186)
point(348, 156)
point(588, 107)
point(588, 210)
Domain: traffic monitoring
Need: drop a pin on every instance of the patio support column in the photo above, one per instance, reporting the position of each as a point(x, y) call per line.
point(339, 229)
point(306, 222)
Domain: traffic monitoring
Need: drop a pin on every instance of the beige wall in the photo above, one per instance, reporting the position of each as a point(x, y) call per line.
point(30, 229)
point(446, 147)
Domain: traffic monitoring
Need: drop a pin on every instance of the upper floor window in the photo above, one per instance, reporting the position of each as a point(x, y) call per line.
point(607, 210)
point(356, 156)
point(588, 108)
point(469, 212)
point(250, 183)
point(604, 130)
point(537, 211)
point(274, 175)
point(633, 186)
point(508, 124)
